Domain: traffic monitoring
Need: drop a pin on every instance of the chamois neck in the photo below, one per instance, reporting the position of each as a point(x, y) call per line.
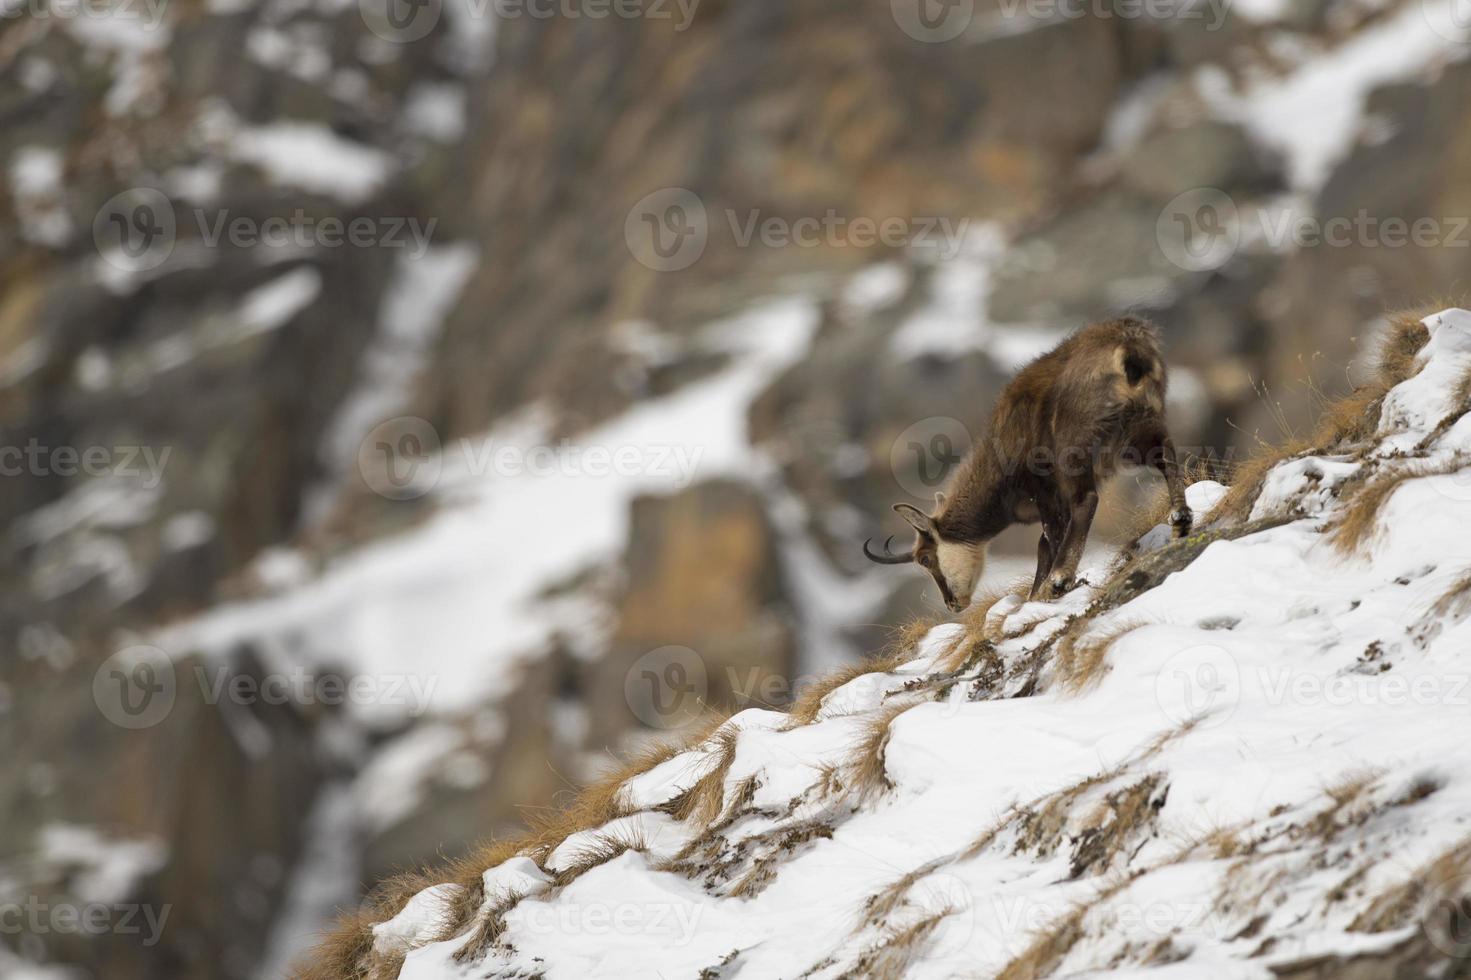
point(977, 508)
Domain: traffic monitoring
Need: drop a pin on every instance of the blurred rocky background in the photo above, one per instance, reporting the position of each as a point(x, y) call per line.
point(406, 406)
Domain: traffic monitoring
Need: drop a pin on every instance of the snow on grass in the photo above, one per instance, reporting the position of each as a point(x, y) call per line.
point(443, 605)
point(1275, 743)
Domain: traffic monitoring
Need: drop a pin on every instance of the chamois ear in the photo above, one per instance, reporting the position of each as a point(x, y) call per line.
point(917, 518)
point(939, 501)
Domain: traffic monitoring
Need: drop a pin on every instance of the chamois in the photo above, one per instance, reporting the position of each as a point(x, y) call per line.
point(1058, 431)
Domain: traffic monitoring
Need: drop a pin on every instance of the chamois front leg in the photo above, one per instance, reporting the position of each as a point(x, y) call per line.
point(1044, 566)
point(1071, 552)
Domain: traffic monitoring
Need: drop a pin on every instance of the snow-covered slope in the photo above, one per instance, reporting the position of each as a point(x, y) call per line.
point(1244, 754)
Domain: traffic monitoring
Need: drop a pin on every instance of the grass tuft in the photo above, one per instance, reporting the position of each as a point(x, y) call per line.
point(891, 958)
point(1358, 524)
point(805, 708)
point(703, 802)
point(1082, 657)
point(865, 768)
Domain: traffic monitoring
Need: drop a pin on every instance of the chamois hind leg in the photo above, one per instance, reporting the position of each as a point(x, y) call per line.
point(1158, 450)
point(1085, 505)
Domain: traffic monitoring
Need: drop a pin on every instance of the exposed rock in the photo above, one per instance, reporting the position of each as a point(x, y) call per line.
point(704, 586)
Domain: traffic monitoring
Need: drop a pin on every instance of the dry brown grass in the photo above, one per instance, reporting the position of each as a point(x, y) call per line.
point(1461, 399)
point(805, 708)
point(705, 800)
point(1455, 602)
point(596, 851)
point(598, 802)
point(891, 958)
point(1139, 520)
point(1402, 342)
point(865, 767)
point(1399, 906)
point(1047, 949)
point(1223, 842)
point(977, 634)
point(345, 952)
point(1343, 809)
point(1247, 480)
point(1082, 657)
point(1349, 420)
point(780, 843)
point(1358, 524)
point(1123, 816)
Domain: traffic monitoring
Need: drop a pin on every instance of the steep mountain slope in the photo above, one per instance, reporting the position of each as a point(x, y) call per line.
point(1242, 754)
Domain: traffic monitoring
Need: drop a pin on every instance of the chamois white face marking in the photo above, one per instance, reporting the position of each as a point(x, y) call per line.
point(961, 565)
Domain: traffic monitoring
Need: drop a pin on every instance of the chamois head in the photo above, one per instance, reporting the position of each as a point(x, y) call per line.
point(955, 566)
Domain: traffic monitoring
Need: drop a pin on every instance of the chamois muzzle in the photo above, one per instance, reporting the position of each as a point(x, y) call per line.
point(888, 557)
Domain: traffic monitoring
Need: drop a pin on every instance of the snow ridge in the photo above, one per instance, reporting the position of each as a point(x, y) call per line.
point(1257, 767)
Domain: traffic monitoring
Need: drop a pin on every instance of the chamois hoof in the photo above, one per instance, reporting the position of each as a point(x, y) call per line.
point(1060, 587)
point(1181, 520)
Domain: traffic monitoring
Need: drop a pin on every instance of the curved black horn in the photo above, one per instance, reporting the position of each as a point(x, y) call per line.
point(888, 557)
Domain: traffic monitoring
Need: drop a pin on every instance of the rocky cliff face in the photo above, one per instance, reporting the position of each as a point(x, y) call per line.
point(196, 354)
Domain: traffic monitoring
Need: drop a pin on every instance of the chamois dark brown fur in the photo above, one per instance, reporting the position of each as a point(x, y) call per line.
point(1058, 431)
